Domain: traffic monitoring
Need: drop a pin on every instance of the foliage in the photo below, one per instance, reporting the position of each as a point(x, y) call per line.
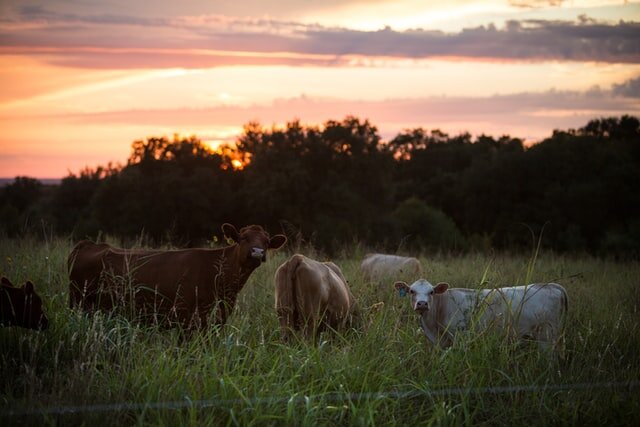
point(71, 204)
point(19, 204)
point(426, 227)
point(334, 183)
point(338, 183)
point(169, 190)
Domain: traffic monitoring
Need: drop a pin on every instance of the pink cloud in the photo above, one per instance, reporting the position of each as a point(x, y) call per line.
point(158, 38)
point(539, 111)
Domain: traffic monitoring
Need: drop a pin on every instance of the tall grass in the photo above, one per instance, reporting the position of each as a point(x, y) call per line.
point(103, 358)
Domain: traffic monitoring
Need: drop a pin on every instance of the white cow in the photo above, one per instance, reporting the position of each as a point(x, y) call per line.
point(378, 267)
point(534, 311)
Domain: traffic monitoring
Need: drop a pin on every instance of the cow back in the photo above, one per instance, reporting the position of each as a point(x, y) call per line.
point(310, 294)
point(381, 267)
point(160, 285)
point(533, 311)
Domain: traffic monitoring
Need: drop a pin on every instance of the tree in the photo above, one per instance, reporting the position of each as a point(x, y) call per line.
point(333, 182)
point(177, 191)
point(425, 227)
point(17, 202)
point(71, 203)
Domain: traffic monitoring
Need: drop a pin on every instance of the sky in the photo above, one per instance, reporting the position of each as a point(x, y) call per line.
point(81, 80)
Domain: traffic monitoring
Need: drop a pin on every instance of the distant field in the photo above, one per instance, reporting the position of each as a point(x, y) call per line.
point(380, 374)
point(44, 181)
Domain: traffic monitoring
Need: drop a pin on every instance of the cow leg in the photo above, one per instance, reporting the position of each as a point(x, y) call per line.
point(287, 320)
point(546, 337)
point(81, 297)
point(307, 319)
point(198, 322)
point(75, 295)
point(310, 329)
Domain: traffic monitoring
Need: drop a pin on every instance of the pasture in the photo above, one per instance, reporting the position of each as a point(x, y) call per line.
point(102, 369)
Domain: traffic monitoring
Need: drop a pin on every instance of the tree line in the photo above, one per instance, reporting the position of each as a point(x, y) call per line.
point(339, 183)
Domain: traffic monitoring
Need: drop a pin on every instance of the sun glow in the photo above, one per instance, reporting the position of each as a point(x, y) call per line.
point(227, 149)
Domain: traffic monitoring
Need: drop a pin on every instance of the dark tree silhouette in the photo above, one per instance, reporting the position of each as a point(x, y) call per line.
point(17, 202)
point(338, 182)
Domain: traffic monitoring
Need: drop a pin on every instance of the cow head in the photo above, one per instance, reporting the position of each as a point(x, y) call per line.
point(421, 293)
point(21, 306)
point(253, 242)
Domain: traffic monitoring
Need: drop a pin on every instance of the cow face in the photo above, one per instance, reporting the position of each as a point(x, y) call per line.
point(253, 242)
point(22, 306)
point(421, 293)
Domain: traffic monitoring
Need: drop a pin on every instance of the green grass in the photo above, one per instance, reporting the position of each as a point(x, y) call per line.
point(103, 358)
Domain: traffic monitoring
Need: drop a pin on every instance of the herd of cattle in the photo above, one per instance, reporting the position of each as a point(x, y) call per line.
point(191, 287)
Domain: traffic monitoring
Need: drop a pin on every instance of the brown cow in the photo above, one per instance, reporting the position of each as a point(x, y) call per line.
point(169, 286)
point(21, 306)
point(310, 296)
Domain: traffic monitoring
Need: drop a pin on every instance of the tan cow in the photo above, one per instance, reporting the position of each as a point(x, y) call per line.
point(21, 306)
point(535, 311)
point(382, 267)
point(311, 296)
point(168, 287)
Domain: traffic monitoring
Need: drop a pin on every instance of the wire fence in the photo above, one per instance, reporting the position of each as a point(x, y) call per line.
point(333, 398)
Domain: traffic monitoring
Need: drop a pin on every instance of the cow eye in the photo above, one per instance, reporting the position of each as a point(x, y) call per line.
point(411, 291)
point(431, 291)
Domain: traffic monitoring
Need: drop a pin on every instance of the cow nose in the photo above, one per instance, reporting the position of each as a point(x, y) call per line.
point(257, 253)
point(422, 305)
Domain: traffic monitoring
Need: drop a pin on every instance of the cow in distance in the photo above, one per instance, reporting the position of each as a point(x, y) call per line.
point(382, 267)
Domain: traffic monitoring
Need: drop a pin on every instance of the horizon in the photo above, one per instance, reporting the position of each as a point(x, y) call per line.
point(83, 81)
point(54, 180)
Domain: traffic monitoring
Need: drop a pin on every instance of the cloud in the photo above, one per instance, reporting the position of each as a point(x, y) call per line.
point(526, 40)
point(150, 58)
point(532, 4)
point(528, 115)
point(630, 88)
point(281, 8)
point(121, 41)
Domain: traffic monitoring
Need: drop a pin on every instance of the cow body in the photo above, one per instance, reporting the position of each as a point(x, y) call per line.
point(534, 311)
point(378, 267)
point(21, 306)
point(168, 287)
point(311, 295)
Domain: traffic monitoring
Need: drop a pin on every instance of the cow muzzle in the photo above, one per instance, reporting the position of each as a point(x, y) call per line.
point(259, 253)
point(421, 306)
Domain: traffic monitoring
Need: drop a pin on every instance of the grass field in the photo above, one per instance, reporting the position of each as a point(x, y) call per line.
point(379, 374)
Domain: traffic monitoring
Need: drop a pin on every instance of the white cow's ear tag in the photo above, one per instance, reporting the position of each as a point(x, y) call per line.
point(402, 292)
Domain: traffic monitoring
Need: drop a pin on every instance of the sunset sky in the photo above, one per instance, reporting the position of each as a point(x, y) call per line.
point(81, 80)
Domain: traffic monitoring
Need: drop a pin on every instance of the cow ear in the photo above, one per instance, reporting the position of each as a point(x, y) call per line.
point(6, 282)
point(277, 241)
point(230, 231)
point(441, 288)
point(29, 288)
point(402, 288)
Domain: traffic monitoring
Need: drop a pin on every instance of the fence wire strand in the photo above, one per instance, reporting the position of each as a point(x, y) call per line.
point(187, 403)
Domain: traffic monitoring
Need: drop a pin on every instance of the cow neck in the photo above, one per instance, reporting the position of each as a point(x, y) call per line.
point(426, 323)
point(433, 321)
point(234, 275)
